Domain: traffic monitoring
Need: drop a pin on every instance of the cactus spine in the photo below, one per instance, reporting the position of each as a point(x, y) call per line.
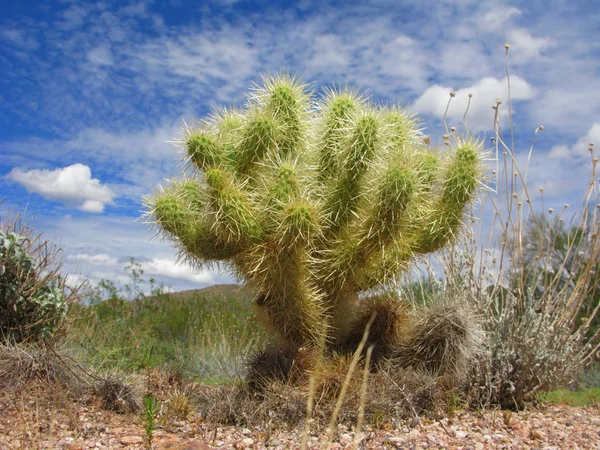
point(314, 201)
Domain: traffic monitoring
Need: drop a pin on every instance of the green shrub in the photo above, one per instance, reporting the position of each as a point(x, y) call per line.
point(200, 334)
point(34, 300)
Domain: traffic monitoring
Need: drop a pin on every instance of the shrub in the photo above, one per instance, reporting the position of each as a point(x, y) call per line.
point(533, 281)
point(34, 299)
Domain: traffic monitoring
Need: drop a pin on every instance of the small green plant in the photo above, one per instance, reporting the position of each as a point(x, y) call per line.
point(453, 404)
point(148, 365)
point(149, 416)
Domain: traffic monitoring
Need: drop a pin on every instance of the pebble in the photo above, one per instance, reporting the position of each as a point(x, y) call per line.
point(345, 438)
point(130, 440)
point(247, 442)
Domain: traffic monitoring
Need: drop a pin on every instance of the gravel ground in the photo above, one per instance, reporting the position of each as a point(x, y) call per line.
point(28, 423)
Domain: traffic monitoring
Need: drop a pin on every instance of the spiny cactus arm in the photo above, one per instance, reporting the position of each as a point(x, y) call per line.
point(179, 211)
point(382, 226)
point(214, 142)
point(286, 101)
point(335, 112)
point(257, 142)
point(382, 271)
point(203, 149)
point(360, 149)
point(272, 173)
point(443, 218)
point(235, 219)
point(391, 189)
point(355, 254)
point(402, 132)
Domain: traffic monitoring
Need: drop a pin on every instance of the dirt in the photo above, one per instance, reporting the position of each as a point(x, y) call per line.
point(45, 418)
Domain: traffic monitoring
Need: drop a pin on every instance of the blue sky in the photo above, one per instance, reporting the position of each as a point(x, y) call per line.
point(91, 93)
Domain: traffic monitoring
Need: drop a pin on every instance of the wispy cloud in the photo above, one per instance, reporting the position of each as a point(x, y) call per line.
point(580, 151)
point(526, 47)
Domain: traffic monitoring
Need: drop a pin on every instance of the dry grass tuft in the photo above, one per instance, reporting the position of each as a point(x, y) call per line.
point(390, 322)
point(443, 339)
point(25, 366)
point(22, 364)
point(178, 404)
point(393, 395)
point(116, 395)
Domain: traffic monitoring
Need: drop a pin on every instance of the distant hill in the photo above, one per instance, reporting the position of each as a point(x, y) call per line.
point(238, 292)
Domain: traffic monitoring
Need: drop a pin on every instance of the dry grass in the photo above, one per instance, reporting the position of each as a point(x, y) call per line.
point(393, 394)
point(25, 366)
point(442, 339)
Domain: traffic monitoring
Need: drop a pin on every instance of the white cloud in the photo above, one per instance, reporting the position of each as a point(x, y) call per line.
point(579, 152)
point(72, 185)
point(498, 16)
point(75, 280)
point(464, 60)
point(19, 39)
point(403, 59)
point(169, 268)
point(329, 52)
point(101, 56)
point(524, 47)
point(161, 267)
point(98, 247)
point(99, 259)
point(134, 160)
point(485, 92)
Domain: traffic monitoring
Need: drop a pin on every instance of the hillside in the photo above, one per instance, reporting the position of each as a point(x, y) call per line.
point(238, 292)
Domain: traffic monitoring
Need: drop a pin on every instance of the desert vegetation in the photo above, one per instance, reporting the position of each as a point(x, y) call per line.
point(387, 281)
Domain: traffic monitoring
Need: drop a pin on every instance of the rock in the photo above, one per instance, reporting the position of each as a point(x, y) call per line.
point(414, 434)
point(345, 438)
point(191, 445)
point(247, 442)
point(461, 434)
point(65, 443)
point(130, 440)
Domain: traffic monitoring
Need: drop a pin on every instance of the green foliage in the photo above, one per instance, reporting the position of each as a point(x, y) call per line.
point(313, 202)
point(551, 265)
point(149, 414)
point(33, 303)
point(590, 396)
point(202, 334)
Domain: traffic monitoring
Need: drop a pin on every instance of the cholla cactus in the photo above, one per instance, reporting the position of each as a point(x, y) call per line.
point(313, 202)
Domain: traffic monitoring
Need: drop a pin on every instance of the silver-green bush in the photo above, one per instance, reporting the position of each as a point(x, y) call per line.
point(34, 299)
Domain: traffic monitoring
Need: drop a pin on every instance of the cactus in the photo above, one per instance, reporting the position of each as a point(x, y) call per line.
point(314, 201)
